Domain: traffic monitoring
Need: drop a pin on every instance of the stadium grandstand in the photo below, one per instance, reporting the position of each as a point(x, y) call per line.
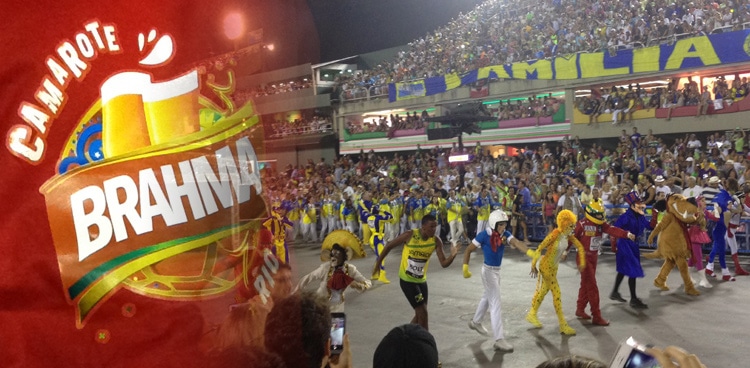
point(611, 82)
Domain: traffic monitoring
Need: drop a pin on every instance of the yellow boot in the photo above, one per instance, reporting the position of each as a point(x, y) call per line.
point(567, 330)
point(382, 277)
point(531, 318)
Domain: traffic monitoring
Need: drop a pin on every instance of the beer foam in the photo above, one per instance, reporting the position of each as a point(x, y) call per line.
point(126, 83)
point(171, 88)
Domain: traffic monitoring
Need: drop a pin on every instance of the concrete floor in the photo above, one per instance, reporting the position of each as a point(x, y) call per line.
point(713, 326)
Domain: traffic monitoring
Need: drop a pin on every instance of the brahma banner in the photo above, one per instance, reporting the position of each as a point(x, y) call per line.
point(132, 192)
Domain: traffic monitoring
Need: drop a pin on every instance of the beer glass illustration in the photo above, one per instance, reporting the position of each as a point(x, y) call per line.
point(171, 108)
point(123, 116)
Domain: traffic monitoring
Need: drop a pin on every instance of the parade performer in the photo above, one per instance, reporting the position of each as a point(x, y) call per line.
point(335, 275)
point(385, 206)
point(419, 244)
point(435, 208)
point(278, 224)
point(376, 222)
point(555, 243)
point(589, 232)
point(417, 205)
point(698, 237)
point(722, 213)
point(455, 209)
point(294, 213)
point(310, 220)
point(396, 206)
point(349, 214)
point(483, 206)
point(673, 244)
point(363, 210)
point(492, 241)
point(734, 223)
point(627, 252)
point(327, 216)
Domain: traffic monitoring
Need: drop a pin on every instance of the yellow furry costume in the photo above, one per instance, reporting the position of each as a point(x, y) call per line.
point(673, 244)
point(555, 243)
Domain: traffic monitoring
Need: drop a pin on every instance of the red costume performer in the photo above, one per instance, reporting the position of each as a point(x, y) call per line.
point(589, 232)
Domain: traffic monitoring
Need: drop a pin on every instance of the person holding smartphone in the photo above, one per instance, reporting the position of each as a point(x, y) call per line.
point(298, 330)
point(492, 241)
point(419, 244)
point(632, 354)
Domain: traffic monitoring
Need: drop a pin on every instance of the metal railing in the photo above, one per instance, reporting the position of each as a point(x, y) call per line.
point(364, 93)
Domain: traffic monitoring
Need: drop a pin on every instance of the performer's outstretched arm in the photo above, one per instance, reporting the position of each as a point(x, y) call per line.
point(401, 239)
point(445, 262)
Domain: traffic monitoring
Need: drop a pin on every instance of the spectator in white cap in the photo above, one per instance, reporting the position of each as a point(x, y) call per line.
point(712, 189)
point(661, 186)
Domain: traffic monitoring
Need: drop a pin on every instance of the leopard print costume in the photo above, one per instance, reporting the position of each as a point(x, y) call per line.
point(555, 243)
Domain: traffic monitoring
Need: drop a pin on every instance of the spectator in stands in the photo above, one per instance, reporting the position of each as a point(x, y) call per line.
point(549, 206)
point(648, 191)
point(585, 196)
point(569, 201)
point(518, 211)
point(712, 189)
point(488, 35)
point(738, 140)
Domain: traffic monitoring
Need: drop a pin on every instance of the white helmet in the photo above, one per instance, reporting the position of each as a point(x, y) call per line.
point(495, 217)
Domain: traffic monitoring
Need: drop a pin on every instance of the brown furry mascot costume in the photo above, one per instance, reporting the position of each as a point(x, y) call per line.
point(673, 244)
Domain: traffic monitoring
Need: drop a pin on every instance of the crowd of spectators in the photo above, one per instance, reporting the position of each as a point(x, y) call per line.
point(389, 124)
point(270, 89)
point(547, 171)
point(532, 107)
point(501, 32)
point(622, 102)
point(315, 125)
point(509, 110)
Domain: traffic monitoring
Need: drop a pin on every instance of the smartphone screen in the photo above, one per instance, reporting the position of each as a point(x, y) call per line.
point(630, 354)
point(338, 327)
point(639, 359)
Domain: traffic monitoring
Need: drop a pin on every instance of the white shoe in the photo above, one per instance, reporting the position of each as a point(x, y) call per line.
point(702, 281)
point(502, 345)
point(478, 328)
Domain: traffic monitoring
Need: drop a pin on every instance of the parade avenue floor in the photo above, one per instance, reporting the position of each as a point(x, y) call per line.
point(714, 325)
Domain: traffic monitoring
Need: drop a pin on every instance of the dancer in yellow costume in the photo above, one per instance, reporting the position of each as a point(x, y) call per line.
point(376, 222)
point(278, 224)
point(364, 205)
point(555, 243)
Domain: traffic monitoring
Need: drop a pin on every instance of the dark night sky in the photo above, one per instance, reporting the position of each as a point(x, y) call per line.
point(351, 27)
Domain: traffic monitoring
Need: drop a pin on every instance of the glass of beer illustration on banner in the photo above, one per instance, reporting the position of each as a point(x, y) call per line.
point(123, 117)
point(172, 108)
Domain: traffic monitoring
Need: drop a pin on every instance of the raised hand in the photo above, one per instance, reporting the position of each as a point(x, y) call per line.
point(454, 250)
